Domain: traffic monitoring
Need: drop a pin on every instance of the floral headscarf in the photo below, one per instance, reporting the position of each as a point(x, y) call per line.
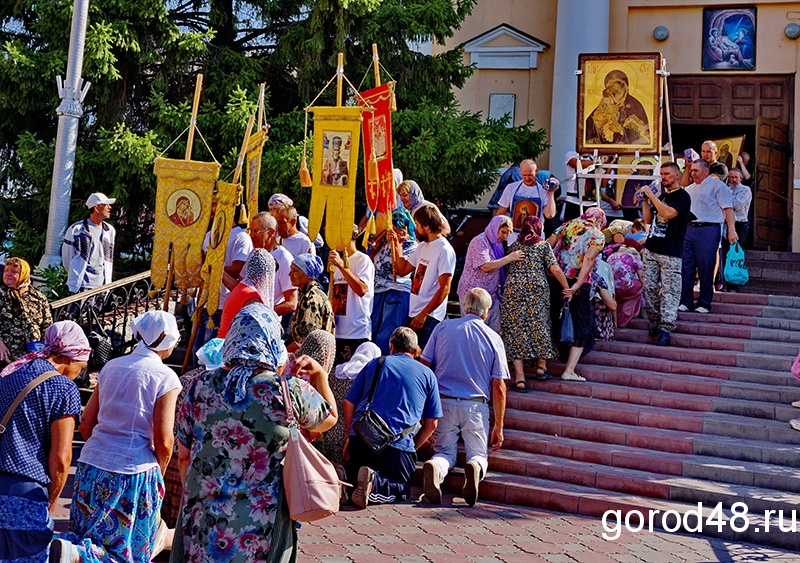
point(276, 200)
point(531, 232)
point(414, 194)
point(259, 273)
point(310, 264)
point(496, 249)
point(64, 338)
point(253, 343)
point(320, 345)
point(595, 216)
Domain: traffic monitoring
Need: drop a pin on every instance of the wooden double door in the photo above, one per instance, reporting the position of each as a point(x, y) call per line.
point(760, 103)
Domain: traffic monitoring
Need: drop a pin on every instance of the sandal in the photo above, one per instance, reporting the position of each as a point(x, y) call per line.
point(542, 373)
point(796, 404)
point(519, 387)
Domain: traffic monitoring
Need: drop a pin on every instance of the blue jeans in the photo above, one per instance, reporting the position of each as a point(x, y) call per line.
point(424, 333)
point(389, 311)
point(699, 255)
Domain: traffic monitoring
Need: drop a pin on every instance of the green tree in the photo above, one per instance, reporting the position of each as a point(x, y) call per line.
point(142, 58)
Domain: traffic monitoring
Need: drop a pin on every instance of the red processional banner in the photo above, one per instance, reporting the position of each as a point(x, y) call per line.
point(376, 130)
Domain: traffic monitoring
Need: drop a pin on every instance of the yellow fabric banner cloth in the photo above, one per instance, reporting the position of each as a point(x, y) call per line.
point(336, 140)
point(226, 198)
point(183, 209)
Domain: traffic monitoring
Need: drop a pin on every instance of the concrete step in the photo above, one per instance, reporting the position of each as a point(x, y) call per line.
point(614, 359)
point(688, 401)
point(694, 385)
point(772, 288)
point(722, 308)
point(620, 507)
point(665, 463)
point(660, 417)
point(665, 440)
point(709, 342)
point(734, 331)
point(650, 484)
point(724, 358)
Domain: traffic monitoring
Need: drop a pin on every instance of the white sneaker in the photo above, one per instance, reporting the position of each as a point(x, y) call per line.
point(62, 551)
point(702, 310)
point(795, 423)
point(366, 477)
point(572, 377)
point(430, 482)
point(472, 479)
point(683, 308)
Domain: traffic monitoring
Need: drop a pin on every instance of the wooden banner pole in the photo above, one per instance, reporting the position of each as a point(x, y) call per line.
point(237, 175)
point(198, 314)
point(198, 87)
point(261, 90)
point(375, 65)
point(339, 76)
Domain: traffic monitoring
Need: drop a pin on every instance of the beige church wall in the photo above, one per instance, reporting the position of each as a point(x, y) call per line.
point(632, 27)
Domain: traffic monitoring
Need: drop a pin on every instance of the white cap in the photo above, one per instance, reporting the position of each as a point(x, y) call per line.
point(99, 199)
point(151, 325)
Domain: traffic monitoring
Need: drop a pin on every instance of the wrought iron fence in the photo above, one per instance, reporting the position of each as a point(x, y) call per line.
point(107, 311)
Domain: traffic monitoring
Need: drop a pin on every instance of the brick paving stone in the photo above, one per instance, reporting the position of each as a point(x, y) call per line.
point(398, 549)
point(539, 547)
point(573, 547)
point(558, 558)
point(335, 529)
point(433, 548)
point(480, 559)
point(368, 530)
point(361, 549)
point(474, 530)
point(589, 557)
point(335, 559)
point(365, 521)
point(626, 558)
point(459, 539)
point(506, 549)
point(490, 539)
point(348, 539)
point(428, 521)
point(412, 559)
point(405, 530)
point(311, 538)
point(372, 558)
point(442, 529)
point(385, 538)
point(319, 549)
point(420, 538)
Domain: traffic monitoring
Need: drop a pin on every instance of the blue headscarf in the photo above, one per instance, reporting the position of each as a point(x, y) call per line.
point(253, 342)
point(401, 218)
point(310, 264)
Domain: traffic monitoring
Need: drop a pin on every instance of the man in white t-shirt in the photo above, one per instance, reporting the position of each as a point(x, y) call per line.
point(291, 238)
point(433, 264)
point(264, 234)
point(353, 290)
point(276, 200)
point(524, 198)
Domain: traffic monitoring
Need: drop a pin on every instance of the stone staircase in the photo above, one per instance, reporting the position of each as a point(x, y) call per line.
point(776, 273)
point(702, 421)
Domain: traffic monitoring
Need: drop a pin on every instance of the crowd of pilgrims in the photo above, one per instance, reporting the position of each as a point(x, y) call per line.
point(149, 462)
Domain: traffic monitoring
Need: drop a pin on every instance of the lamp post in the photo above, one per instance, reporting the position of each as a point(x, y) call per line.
point(72, 92)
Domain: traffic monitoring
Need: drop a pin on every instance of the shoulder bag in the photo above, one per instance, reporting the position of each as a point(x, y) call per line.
point(371, 428)
point(22, 394)
point(309, 478)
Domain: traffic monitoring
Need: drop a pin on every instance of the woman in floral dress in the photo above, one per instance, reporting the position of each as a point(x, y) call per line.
point(233, 434)
point(525, 316)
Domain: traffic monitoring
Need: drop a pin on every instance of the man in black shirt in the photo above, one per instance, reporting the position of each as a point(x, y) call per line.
point(668, 217)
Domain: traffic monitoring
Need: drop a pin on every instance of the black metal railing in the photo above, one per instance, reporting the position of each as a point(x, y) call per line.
point(108, 310)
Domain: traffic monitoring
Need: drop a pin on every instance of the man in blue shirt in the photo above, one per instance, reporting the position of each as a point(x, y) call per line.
point(469, 360)
point(406, 397)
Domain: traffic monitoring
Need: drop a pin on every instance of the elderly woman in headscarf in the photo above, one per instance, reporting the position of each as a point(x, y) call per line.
point(409, 194)
point(36, 448)
point(626, 263)
point(392, 292)
point(525, 319)
point(233, 433)
point(128, 427)
point(257, 286)
point(24, 311)
point(576, 245)
point(484, 266)
point(314, 309)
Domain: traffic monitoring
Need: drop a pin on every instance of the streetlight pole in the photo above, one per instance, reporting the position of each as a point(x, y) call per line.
point(69, 112)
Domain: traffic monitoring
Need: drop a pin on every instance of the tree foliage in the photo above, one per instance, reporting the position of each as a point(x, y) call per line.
point(142, 58)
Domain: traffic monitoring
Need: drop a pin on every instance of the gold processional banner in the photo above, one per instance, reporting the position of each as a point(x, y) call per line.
point(377, 131)
point(254, 149)
point(226, 198)
point(333, 195)
point(185, 190)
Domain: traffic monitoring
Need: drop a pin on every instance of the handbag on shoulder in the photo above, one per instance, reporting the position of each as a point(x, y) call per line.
point(371, 428)
point(309, 478)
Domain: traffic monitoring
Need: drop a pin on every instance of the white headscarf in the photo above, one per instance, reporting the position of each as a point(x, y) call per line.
point(364, 353)
point(148, 328)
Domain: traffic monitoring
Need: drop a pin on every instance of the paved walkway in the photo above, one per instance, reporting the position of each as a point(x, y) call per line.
point(495, 533)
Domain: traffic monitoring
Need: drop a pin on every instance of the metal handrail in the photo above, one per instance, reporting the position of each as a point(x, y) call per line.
point(100, 290)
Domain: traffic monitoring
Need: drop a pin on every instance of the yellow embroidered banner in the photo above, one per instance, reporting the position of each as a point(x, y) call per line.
point(254, 149)
point(183, 210)
point(225, 205)
point(336, 141)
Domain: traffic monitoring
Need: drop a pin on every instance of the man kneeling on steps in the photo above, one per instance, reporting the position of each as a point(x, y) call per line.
point(402, 393)
point(469, 361)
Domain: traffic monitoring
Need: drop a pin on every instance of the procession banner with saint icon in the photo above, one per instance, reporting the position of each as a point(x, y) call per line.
point(333, 195)
point(183, 209)
point(377, 130)
point(226, 198)
point(255, 147)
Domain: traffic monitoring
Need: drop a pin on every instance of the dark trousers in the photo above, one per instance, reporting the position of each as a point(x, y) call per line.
point(742, 228)
point(699, 256)
point(424, 333)
point(393, 471)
